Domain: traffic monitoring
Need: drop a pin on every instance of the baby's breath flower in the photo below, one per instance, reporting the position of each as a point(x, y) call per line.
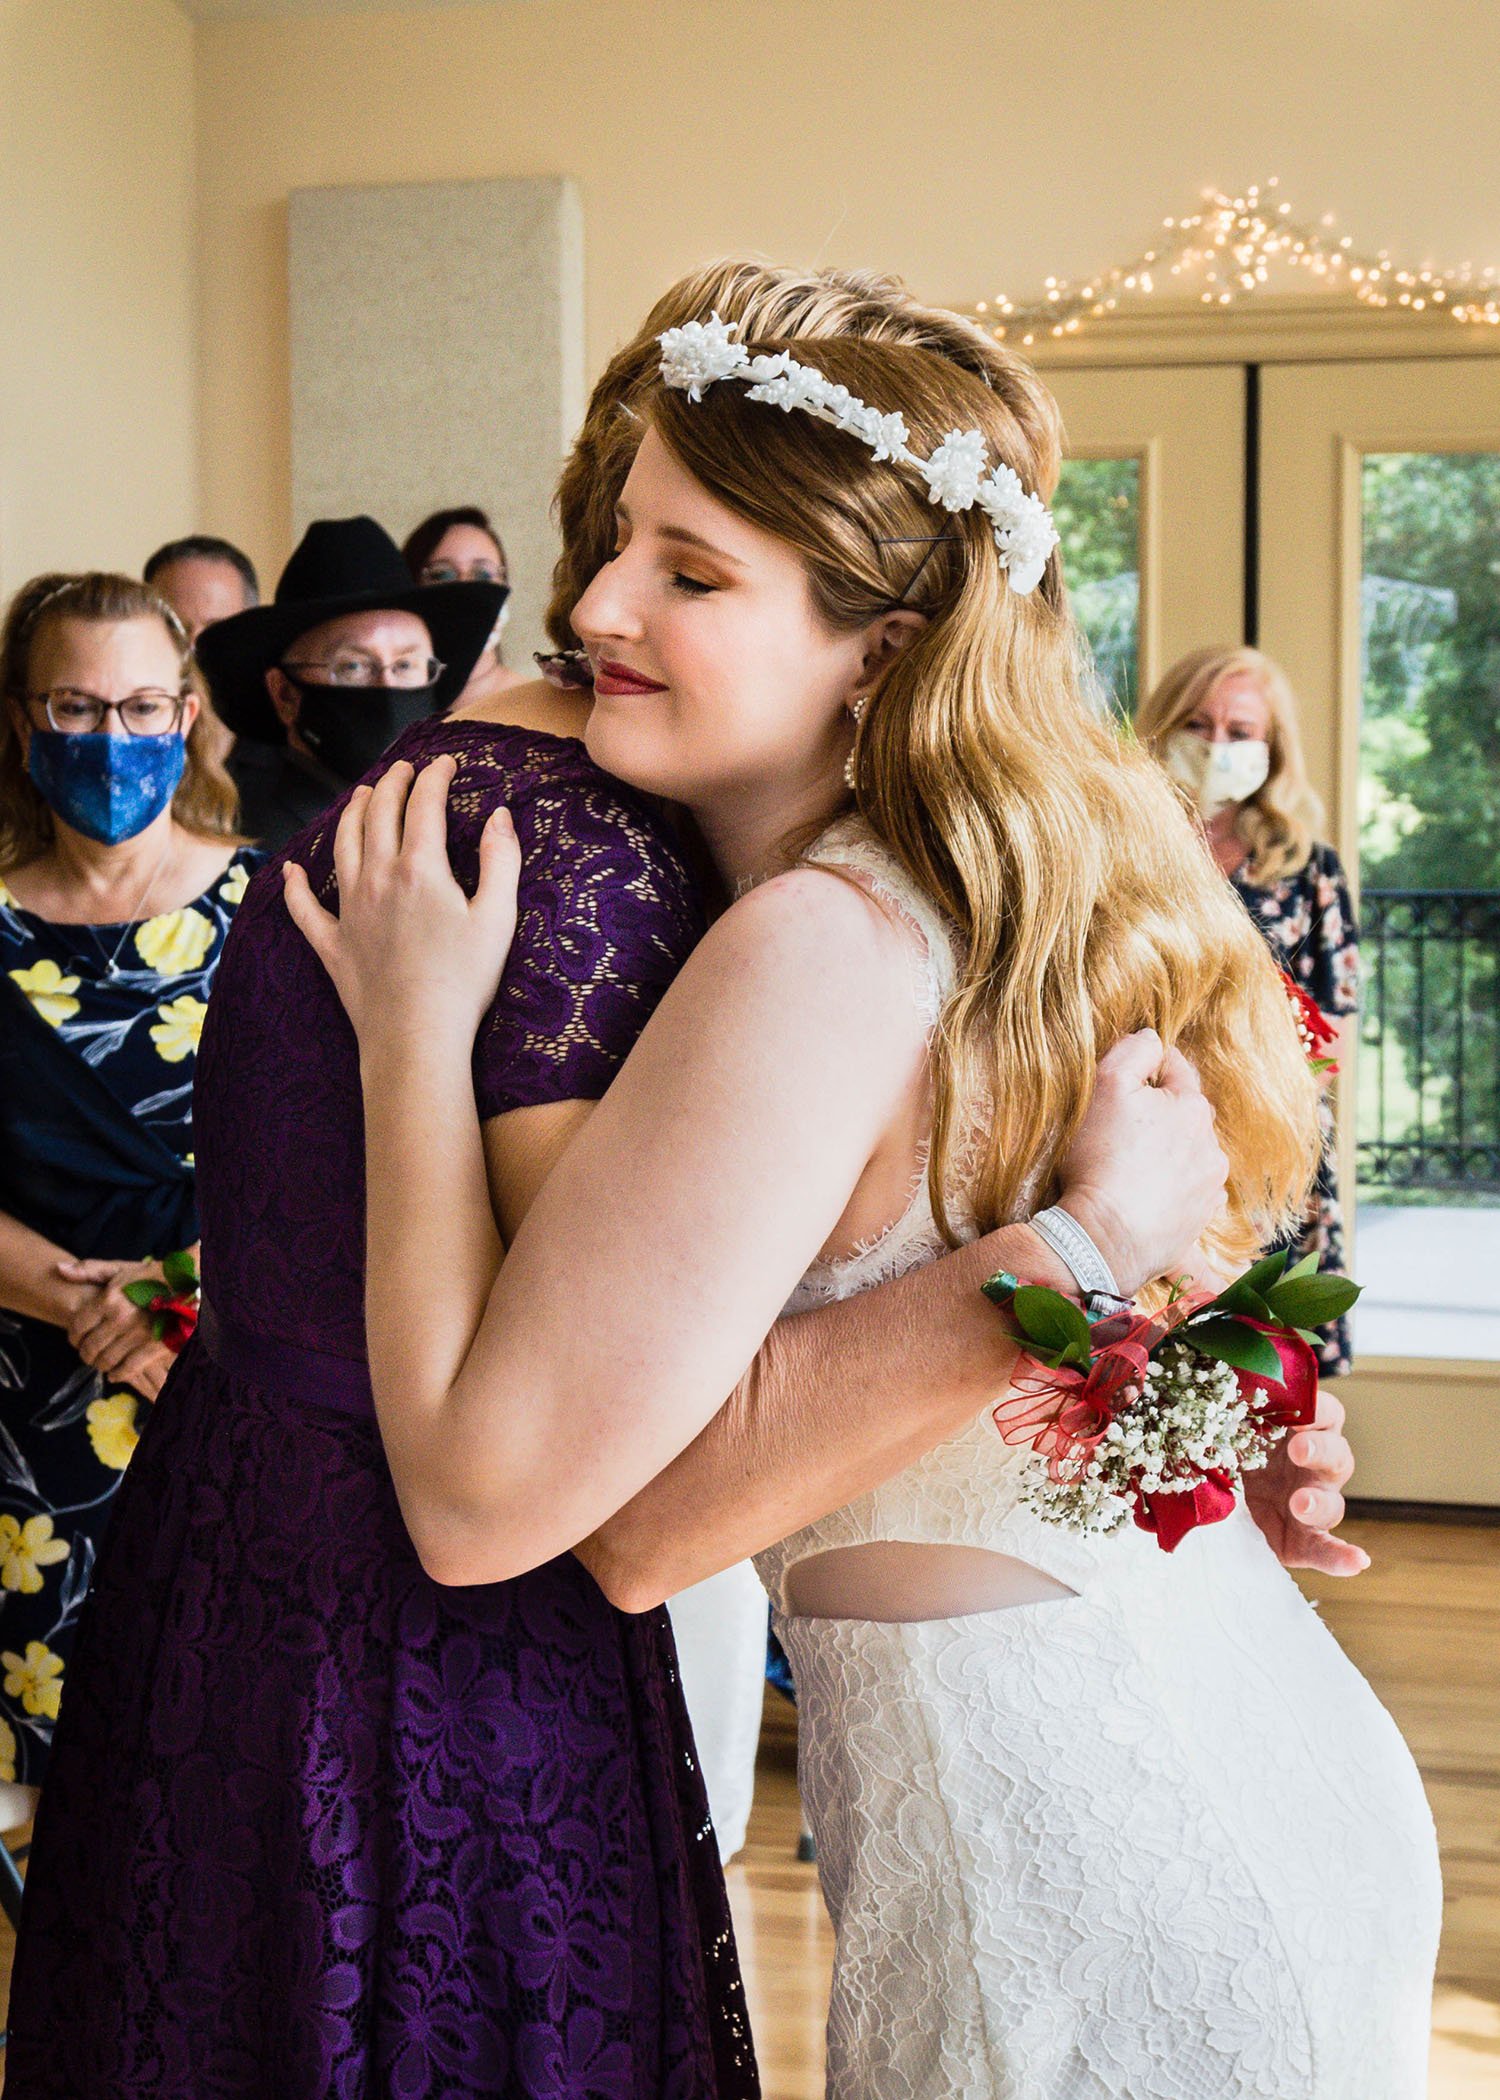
point(1189, 1419)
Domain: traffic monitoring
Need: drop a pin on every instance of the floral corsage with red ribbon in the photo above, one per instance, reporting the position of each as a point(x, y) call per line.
point(1158, 1417)
point(172, 1303)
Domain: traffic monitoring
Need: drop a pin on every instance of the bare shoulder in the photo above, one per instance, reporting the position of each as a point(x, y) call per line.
point(814, 939)
point(534, 704)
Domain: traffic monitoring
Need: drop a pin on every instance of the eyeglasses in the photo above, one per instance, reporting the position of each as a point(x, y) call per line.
point(454, 572)
point(354, 673)
point(149, 712)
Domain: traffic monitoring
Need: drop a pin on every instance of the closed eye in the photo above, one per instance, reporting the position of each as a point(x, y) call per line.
point(692, 586)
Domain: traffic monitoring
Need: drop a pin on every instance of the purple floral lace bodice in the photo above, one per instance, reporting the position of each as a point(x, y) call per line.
point(606, 918)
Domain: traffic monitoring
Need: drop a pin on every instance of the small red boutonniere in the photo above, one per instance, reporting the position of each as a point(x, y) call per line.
point(173, 1303)
point(1313, 1026)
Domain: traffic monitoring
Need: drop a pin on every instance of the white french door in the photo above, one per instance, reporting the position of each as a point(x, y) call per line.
point(1345, 514)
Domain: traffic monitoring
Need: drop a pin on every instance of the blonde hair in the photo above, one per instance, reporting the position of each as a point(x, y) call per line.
point(1282, 820)
point(1085, 902)
point(206, 801)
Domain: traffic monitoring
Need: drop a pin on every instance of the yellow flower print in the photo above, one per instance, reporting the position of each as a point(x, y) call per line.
point(112, 1430)
point(34, 1679)
point(25, 1549)
point(49, 991)
point(7, 1753)
point(234, 885)
point(175, 941)
point(176, 1033)
point(5, 895)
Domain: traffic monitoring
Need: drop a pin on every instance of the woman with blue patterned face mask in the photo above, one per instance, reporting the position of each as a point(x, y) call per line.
point(120, 870)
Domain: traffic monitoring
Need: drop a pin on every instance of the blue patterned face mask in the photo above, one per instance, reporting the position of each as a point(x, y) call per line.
point(107, 787)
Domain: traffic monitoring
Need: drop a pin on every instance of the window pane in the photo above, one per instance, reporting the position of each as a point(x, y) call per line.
point(1429, 1082)
point(1098, 514)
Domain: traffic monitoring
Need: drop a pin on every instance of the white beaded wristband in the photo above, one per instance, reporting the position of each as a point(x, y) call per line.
point(1078, 1254)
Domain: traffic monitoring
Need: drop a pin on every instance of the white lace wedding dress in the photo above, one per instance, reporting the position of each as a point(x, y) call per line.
point(1157, 1839)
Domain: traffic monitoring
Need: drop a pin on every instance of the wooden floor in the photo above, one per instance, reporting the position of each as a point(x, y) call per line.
point(1423, 1625)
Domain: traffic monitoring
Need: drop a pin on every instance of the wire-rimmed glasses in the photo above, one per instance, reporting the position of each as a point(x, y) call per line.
point(363, 673)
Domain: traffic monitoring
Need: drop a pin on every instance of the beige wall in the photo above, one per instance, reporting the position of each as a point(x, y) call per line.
point(98, 314)
point(969, 144)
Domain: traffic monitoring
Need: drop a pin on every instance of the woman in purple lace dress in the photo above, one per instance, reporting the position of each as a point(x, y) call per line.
point(315, 1824)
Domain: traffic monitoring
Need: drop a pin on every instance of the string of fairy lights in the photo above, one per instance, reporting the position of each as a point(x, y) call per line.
point(1227, 250)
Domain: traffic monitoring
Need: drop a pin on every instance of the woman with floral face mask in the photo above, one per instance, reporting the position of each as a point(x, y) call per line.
point(120, 871)
point(1224, 723)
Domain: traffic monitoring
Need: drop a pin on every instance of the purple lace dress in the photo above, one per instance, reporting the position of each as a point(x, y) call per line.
point(314, 1824)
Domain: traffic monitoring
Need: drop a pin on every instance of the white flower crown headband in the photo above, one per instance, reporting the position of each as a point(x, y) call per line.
point(701, 352)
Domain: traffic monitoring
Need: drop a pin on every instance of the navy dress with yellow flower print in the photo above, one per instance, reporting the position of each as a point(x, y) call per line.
point(99, 1029)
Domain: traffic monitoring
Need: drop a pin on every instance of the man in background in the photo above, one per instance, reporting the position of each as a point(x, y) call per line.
point(350, 652)
point(203, 579)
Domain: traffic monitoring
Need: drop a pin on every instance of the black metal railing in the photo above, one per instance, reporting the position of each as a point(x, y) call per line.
point(1430, 1027)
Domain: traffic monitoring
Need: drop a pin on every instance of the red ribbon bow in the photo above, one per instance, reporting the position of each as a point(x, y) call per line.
point(1063, 1412)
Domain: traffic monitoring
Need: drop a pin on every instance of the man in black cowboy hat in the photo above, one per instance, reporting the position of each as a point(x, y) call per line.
point(318, 683)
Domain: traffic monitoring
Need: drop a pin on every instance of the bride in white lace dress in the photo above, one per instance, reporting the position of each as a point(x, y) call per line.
point(1092, 1820)
point(1151, 1836)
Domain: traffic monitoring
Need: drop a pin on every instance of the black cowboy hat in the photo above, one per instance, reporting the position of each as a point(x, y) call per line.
point(342, 565)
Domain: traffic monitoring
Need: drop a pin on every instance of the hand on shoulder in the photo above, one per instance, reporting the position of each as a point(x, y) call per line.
point(410, 955)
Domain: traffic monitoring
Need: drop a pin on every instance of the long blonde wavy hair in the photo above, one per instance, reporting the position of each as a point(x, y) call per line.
point(1284, 818)
point(206, 801)
point(1084, 899)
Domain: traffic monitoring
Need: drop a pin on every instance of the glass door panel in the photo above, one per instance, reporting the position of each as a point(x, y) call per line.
point(1150, 509)
point(1380, 565)
point(1098, 514)
point(1428, 1123)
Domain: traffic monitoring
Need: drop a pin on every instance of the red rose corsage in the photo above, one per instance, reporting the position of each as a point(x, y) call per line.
point(1156, 1418)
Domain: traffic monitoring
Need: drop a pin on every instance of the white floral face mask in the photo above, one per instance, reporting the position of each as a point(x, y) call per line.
point(1217, 774)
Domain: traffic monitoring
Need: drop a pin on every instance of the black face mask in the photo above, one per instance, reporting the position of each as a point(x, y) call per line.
point(348, 729)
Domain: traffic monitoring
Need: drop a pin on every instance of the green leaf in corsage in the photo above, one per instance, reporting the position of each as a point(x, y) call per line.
point(1246, 1296)
point(181, 1273)
point(1311, 1301)
point(1058, 1329)
point(1231, 1342)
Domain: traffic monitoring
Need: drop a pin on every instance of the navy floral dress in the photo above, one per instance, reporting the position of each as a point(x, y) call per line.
point(125, 1006)
point(1308, 922)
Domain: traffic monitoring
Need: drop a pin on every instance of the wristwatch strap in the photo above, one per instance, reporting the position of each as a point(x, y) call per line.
point(1076, 1251)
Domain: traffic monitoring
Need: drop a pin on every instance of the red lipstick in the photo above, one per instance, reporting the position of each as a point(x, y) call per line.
point(613, 678)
